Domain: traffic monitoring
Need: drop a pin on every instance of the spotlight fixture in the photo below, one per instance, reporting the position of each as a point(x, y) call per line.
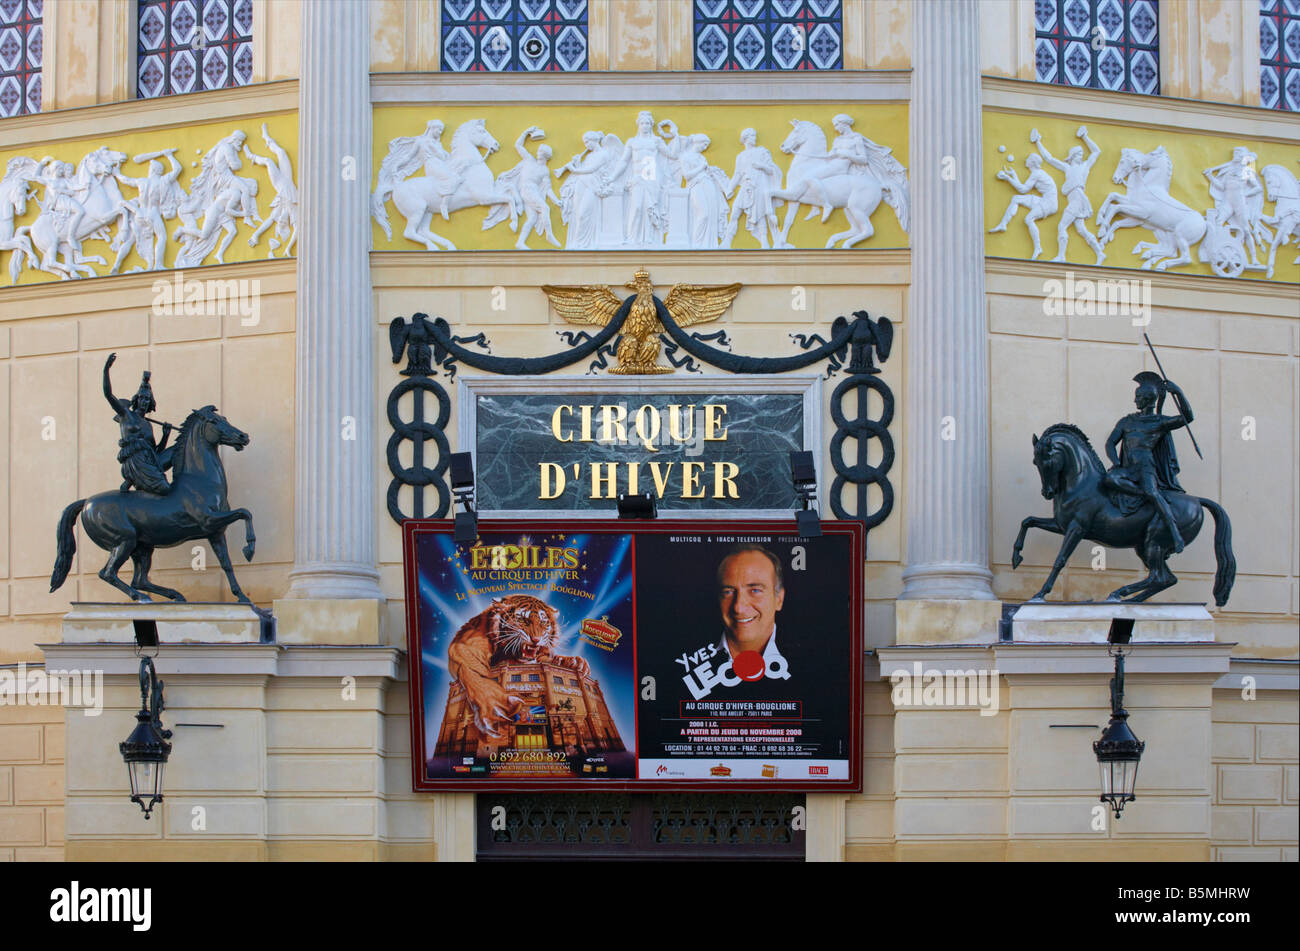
point(462, 489)
point(641, 505)
point(803, 474)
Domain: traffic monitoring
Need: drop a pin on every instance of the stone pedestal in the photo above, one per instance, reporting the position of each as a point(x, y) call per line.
point(335, 621)
point(946, 621)
point(1090, 622)
point(193, 622)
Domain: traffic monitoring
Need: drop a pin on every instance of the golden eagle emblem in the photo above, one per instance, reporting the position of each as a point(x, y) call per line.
point(639, 345)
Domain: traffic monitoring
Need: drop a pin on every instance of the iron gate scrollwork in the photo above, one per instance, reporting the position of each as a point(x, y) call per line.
point(640, 826)
point(853, 348)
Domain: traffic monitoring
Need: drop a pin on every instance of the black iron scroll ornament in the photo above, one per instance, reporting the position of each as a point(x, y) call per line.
point(852, 346)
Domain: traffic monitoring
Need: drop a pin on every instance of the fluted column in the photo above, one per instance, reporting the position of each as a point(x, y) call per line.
point(334, 501)
point(947, 386)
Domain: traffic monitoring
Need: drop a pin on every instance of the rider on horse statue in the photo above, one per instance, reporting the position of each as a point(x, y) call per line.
point(143, 461)
point(1147, 466)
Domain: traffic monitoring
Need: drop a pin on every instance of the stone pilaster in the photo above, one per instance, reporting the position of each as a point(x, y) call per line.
point(334, 500)
point(947, 446)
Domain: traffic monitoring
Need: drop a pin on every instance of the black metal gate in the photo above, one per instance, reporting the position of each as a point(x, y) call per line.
point(628, 827)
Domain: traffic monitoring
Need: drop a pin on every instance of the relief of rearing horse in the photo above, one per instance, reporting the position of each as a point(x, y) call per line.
point(1148, 204)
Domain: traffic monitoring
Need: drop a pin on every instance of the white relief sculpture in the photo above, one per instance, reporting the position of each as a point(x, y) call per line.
point(855, 174)
point(284, 206)
point(530, 179)
point(706, 189)
point(1037, 206)
point(1078, 210)
point(84, 202)
point(15, 189)
point(1148, 204)
point(756, 177)
point(587, 205)
point(217, 198)
point(77, 206)
point(159, 196)
point(1284, 192)
point(1234, 223)
point(644, 172)
point(452, 181)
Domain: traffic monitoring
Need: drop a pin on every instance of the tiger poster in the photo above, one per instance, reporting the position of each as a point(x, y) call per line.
point(526, 656)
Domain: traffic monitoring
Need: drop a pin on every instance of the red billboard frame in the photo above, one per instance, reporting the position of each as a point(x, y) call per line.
point(421, 782)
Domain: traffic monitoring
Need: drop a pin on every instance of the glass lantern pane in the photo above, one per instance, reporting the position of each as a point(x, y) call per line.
point(143, 778)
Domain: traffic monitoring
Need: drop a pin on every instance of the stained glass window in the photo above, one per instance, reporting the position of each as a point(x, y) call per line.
point(514, 35)
point(769, 34)
point(192, 45)
point(1104, 44)
point(21, 37)
point(1279, 54)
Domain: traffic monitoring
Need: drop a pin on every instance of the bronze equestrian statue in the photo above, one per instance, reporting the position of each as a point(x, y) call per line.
point(148, 513)
point(1138, 504)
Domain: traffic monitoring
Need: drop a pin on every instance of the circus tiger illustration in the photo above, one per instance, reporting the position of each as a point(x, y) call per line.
point(515, 627)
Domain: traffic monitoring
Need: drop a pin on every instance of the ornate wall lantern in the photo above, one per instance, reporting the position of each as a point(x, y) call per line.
point(146, 750)
point(1118, 751)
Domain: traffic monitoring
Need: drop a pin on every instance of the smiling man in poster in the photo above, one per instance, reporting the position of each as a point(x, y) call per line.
point(752, 669)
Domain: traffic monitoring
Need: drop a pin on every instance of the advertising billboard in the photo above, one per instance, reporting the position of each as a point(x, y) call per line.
point(635, 655)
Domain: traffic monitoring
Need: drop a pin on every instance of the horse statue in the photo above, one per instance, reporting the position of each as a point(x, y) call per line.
point(1148, 204)
point(826, 181)
point(1071, 475)
point(96, 188)
point(460, 180)
point(131, 524)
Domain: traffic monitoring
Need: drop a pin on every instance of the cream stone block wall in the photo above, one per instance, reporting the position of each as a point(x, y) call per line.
point(62, 442)
point(1022, 783)
point(1234, 349)
point(1007, 38)
point(1255, 776)
point(1209, 49)
point(460, 287)
point(279, 753)
point(869, 816)
point(31, 782)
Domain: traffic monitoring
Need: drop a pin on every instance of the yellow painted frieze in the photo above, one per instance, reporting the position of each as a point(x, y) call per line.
point(180, 197)
point(640, 177)
point(1130, 197)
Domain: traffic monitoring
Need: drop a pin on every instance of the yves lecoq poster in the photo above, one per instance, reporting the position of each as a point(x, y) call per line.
point(665, 655)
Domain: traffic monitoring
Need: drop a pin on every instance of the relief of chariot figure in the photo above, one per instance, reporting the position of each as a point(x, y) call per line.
point(1235, 223)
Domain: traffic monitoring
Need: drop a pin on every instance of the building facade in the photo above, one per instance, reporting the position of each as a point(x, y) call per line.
point(240, 196)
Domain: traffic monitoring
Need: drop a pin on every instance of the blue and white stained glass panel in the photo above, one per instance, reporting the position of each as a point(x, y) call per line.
point(1101, 44)
point(769, 34)
point(1279, 54)
point(514, 36)
point(21, 40)
point(192, 45)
